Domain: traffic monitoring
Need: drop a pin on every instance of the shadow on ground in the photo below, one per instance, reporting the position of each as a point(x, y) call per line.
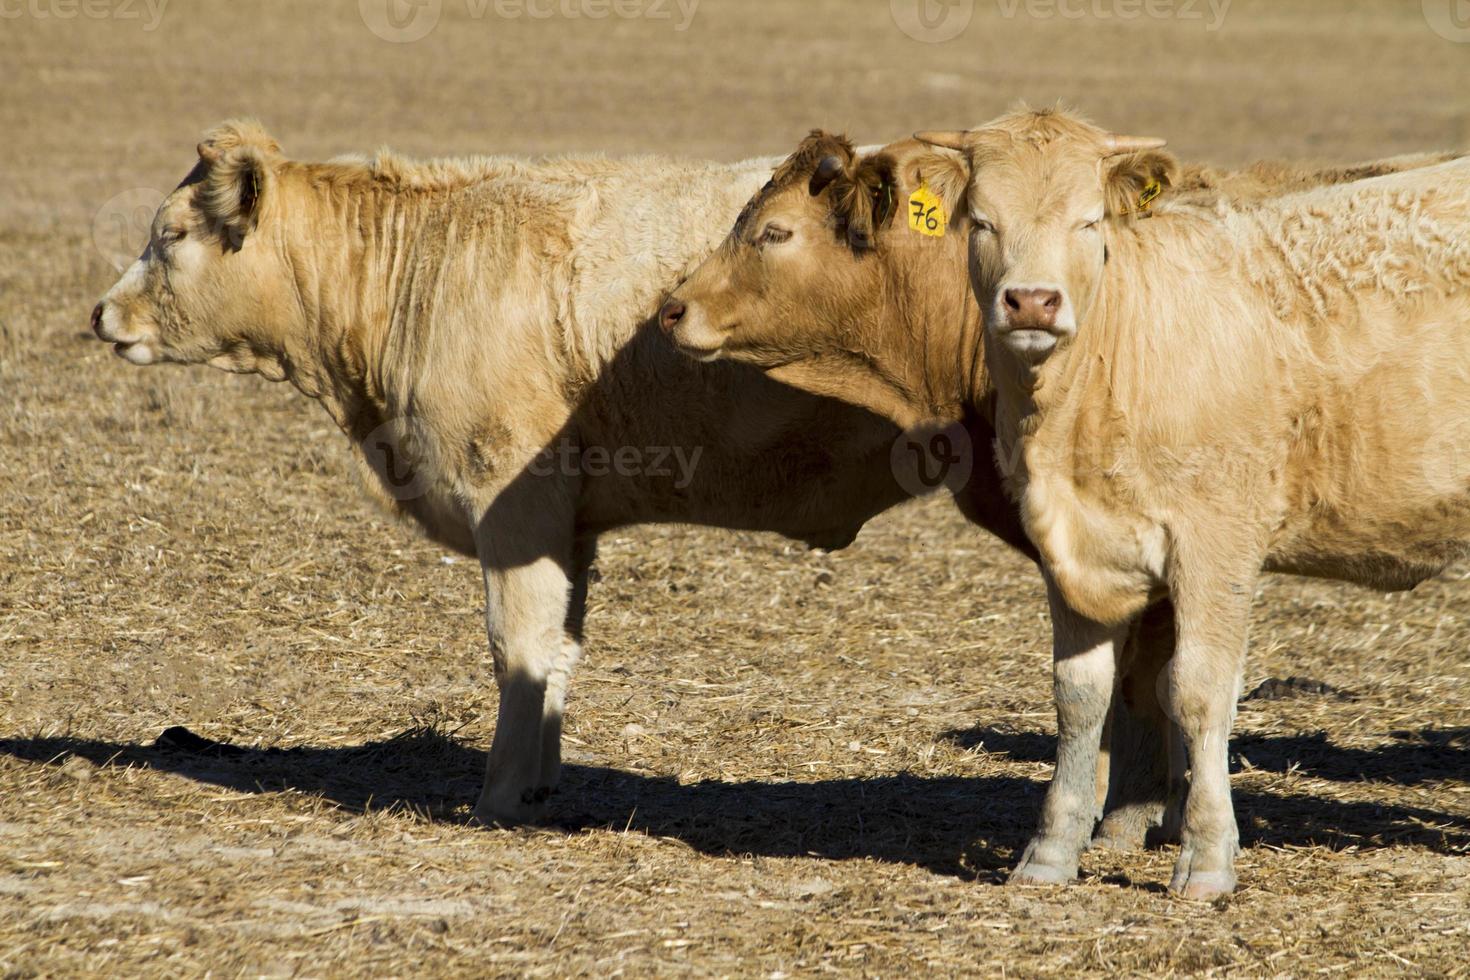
point(932, 822)
point(1426, 756)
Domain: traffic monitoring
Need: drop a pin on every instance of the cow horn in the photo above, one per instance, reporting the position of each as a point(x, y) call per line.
point(1118, 145)
point(950, 139)
point(827, 171)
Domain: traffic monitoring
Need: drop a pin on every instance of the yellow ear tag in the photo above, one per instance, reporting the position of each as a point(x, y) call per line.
point(1151, 192)
point(926, 213)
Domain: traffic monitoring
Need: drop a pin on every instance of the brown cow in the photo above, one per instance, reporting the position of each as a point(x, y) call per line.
point(826, 241)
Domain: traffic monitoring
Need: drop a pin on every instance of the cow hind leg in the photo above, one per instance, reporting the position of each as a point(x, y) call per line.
point(1134, 774)
point(565, 659)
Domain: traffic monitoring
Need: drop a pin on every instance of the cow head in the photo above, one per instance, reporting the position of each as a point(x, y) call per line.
point(820, 265)
point(1046, 189)
point(202, 290)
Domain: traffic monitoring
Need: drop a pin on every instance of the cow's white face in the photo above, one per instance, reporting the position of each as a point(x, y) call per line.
point(212, 284)
point(1040, 201)
point(1036, 247)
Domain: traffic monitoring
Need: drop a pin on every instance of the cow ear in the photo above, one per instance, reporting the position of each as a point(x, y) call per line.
point(1135, 180)
point(235, 190)
point(945, 172)
point(238, 160)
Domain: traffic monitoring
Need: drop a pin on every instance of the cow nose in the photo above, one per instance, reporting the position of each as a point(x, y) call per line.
point(671, 314)
point(97, 319)
point(1032, 309)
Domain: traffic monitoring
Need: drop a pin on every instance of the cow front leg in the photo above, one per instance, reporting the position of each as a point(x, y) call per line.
point(1202, 683)
point(1084, 665)
point(528, 556)
point(1134, 775)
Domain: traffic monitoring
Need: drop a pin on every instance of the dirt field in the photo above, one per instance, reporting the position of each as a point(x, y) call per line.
point(781, 762)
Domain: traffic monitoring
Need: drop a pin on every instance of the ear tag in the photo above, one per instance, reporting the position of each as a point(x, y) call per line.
point(1150, 194)
point(926, 213)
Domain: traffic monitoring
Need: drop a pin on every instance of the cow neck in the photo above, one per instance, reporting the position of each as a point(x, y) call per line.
point(354, 250)
point(1059, 412)
point(930, 330)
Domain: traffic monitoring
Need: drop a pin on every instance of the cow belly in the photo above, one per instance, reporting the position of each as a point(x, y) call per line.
point(1379, 548)
point(1380, 470)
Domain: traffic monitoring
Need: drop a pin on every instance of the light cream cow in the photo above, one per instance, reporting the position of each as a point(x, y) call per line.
point(479, 328)
point(1301, 406)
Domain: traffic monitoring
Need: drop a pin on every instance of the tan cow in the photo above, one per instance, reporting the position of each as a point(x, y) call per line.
point(824, 240)
point(1303, 407)
point(480, 329)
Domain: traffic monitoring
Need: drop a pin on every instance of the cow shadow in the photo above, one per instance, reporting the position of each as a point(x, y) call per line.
point(965, 826)
point(1425, 756)
point(930, 822)
point(1413, 757)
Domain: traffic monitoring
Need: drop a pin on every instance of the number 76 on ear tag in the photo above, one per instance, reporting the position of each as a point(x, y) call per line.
point(926, 213)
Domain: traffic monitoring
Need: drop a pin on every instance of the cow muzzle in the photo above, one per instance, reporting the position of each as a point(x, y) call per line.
point(689, 328)
point(1030, 320)
point(132, 344)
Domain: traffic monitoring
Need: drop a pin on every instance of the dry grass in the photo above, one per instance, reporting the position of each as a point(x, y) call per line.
point(780, 762)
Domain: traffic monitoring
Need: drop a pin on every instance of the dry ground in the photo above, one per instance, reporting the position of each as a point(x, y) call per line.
point(781, 763)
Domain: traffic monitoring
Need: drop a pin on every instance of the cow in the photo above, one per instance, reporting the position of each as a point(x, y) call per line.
point(483, 332)
point(856, 281)
point(1302, 407)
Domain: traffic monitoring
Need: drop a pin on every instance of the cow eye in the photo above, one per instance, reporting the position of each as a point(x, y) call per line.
point(170, 235)
point(985, 226)
point(774, 235)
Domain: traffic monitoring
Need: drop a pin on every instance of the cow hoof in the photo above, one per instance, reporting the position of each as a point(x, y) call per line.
point(527, 808)
point(1040, 874)
point(1045, 862)
point(1203, 886)
point(1032, 873)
